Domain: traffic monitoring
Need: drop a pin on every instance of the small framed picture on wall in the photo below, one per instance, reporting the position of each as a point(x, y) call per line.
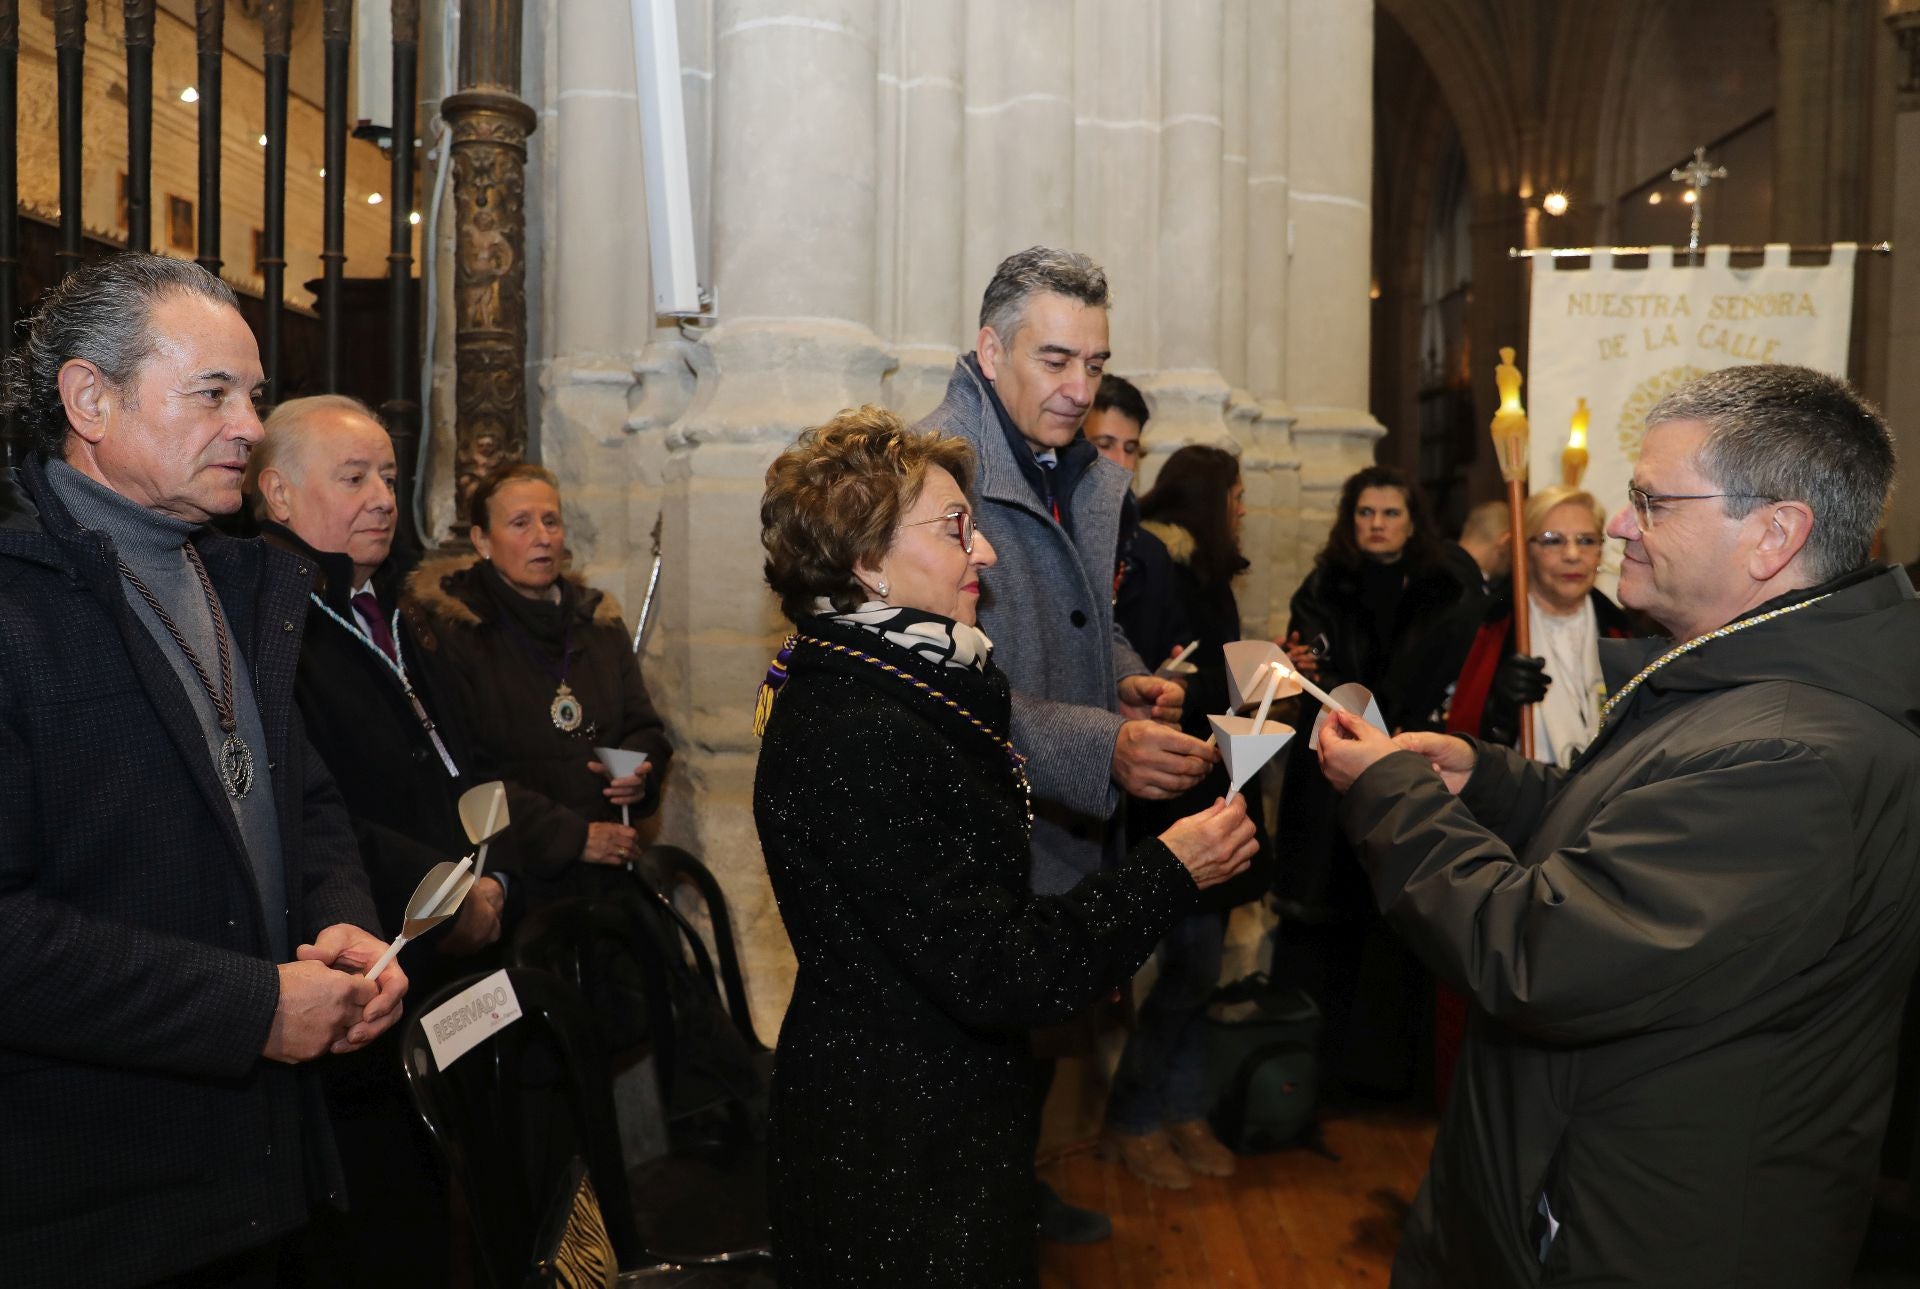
point(180, 234)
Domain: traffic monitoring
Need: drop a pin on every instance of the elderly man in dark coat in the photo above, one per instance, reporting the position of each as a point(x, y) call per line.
point(182, 916)
point(322, 486)
point(1092, 720)
point(1687, 953)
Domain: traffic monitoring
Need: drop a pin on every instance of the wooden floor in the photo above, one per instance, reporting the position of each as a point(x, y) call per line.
point(1292, 1218)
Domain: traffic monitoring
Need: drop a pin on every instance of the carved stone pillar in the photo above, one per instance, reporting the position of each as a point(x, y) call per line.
point(490, 127)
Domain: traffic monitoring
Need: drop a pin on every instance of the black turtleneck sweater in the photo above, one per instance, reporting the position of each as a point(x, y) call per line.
point(154, 546)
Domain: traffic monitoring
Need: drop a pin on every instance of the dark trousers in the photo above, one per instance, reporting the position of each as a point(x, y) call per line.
point(1162, 1077)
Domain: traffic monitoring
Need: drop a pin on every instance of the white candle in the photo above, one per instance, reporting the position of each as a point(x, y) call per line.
point(1326, 699)
point(1266, 699)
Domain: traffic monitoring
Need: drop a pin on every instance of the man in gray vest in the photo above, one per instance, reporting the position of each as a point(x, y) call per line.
point(183, 918)
point(1091, 718)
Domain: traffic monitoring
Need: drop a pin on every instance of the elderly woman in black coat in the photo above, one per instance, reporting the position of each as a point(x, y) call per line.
point(543, 669)
point(893, 812)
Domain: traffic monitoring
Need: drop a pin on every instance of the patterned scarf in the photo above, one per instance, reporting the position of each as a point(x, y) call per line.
point(926, 635)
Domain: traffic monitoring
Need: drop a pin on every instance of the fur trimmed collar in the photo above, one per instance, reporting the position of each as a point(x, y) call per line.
point(1178, 541)
point(444, 587)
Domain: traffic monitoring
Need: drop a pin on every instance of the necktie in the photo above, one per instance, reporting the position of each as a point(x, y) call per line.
point(377, 630)
point(1053, 502)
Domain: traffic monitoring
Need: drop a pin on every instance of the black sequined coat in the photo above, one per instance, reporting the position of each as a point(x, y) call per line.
point(904, 1114)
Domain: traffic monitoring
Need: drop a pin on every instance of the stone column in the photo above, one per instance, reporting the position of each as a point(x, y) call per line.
point(923, 301)
point(1234, 111)
point(1330, 156)
point(1272, 470)
point(1903, 310)
point(1187, 391)
point(1019, 188)
point(598, 304)
point(794, 148)
point(1116, 160)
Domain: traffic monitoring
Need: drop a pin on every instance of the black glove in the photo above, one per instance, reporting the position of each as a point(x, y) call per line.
point(1521, 680)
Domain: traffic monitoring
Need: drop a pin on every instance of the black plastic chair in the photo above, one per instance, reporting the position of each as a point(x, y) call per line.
point(669, 870)
point(515, 1116)
point(705, 1199)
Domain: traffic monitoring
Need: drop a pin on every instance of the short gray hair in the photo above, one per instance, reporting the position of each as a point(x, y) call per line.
point(100, 312)
point(1039, 268)
point(1783, 433)
point(285, 438)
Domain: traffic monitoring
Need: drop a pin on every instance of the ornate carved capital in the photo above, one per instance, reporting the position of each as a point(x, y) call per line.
point(210, 25)
point(139, 23)
point(69, 24)
point(336, 20)
point(276, 26)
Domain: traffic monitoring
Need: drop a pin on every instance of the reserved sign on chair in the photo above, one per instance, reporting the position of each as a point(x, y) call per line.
point(471, 1016)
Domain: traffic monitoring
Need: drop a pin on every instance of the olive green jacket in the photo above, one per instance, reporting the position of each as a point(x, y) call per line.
point(1687, 957)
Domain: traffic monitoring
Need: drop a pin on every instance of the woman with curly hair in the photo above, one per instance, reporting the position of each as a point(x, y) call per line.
point(894, 816)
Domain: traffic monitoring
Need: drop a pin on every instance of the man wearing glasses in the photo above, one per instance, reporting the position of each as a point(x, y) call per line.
point(1687, 952)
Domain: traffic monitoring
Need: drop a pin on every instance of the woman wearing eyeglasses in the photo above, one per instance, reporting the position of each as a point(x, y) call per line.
point(894, 815)
point(1562, 681)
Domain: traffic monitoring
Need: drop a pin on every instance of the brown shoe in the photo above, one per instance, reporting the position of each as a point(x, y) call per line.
point(1195, 1143)
point(1149, 1157)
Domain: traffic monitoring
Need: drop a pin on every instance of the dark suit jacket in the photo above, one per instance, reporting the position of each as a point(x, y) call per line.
point(141, 1133)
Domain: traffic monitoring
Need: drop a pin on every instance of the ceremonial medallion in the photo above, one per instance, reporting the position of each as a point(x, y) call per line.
point(236, 765)
point(565, 710)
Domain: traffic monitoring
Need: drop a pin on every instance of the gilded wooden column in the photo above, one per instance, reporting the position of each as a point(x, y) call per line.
point(490, 125)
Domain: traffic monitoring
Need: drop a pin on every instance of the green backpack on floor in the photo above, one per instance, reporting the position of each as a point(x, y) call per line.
point(1263, 1066)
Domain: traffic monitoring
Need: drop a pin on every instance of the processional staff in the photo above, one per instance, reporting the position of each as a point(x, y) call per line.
point(1510, 445)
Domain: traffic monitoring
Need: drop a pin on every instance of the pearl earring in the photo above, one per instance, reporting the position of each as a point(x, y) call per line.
point(881, 589)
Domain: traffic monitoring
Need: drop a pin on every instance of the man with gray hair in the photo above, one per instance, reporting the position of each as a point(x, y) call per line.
point(1092, 720)
point(1687, 952)
point(183, 921)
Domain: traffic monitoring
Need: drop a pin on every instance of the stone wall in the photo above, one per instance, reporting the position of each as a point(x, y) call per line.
point(860, 166)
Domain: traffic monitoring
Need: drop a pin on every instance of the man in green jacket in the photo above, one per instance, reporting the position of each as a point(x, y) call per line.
point(1688, 952)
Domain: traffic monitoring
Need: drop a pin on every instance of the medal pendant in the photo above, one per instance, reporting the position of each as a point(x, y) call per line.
point(236, 765)
point(565, 710)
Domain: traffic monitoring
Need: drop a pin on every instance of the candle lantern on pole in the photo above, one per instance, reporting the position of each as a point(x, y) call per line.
point(1510, 447)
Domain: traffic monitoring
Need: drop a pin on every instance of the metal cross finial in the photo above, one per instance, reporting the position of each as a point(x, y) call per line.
point(1696, 175)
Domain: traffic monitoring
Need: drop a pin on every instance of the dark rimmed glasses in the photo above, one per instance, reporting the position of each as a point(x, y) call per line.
point(961, 530)
point(1643, 502)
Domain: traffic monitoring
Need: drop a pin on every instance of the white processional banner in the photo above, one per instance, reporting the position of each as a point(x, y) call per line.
point(1621, 338)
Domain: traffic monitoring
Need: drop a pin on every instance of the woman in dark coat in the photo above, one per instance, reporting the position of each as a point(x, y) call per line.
point(1375, 607)
point(1156, 1117)
point(894, 815)
point(543, 668)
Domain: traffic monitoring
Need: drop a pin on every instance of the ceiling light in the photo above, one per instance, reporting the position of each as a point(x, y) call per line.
point(263, 140)
point(1689, 196)
point(374, 199)
point(1554, 203)
point(414, 217)
point(189, 95)
point(1653, 199)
